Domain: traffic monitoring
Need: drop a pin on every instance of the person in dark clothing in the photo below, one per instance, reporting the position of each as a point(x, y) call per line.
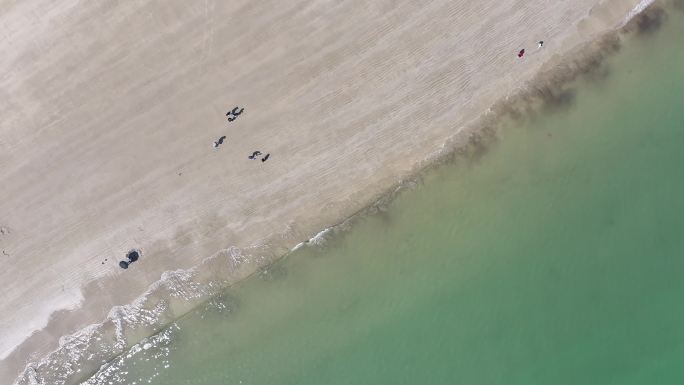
point(254, 154)
point(219, 142)
point(235, 113)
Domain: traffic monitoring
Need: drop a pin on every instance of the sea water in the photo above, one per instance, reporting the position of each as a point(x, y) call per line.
point(556, 257)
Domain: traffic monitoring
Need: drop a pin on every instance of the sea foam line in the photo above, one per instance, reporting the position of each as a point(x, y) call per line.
point(643, 4)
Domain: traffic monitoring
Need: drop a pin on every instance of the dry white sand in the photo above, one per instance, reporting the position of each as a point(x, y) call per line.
point(109, 111)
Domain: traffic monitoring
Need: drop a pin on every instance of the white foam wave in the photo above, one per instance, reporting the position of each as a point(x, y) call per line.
point(85, 351)
point(319, 239)
point(643, 4)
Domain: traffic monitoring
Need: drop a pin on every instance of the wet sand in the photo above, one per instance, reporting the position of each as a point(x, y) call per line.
point(111, 112)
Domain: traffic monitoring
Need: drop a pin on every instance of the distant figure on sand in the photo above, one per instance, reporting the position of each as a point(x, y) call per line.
point(219, 142)
point(265, 158)
point(254, 154)
point(235, 112)
point(521, 53)
point(541, 43)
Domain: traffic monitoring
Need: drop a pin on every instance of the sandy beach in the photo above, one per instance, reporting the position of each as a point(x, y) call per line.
point(111, 110)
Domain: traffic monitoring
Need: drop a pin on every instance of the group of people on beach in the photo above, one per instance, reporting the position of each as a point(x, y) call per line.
point(521, 53)
point(232, 115)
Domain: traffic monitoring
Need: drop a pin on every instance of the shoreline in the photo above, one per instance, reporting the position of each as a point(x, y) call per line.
point(194, 286)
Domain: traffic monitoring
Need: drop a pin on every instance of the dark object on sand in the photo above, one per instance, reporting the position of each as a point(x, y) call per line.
point(133, 256)
point(541, 43)
point(265, 158)
point(254, 154)
point(123, 265)
point(521, 53)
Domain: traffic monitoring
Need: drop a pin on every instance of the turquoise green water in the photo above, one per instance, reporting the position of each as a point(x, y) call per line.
point(555, 258)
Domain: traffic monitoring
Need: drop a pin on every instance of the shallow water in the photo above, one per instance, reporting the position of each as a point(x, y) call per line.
point(554, 258)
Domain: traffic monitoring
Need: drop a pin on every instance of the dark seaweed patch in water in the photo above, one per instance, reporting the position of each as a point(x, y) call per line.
point(647, 22)
point(599, 75)
point(589, 61)
point(558, 99)
point(477, 147)
point(133, 256)
point(678, 4)
point(596, 70)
